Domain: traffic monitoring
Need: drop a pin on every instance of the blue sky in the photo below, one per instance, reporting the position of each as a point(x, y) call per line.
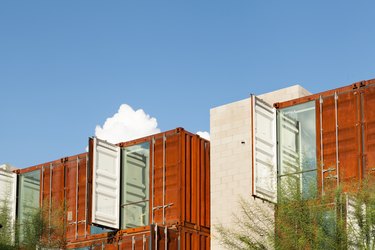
point(66, 66)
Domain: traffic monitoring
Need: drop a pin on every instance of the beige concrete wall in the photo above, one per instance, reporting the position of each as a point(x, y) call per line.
point(284, 94)
point(230, 161)
point(231, 156)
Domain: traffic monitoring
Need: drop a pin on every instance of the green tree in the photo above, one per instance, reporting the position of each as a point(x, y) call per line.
point(336, 220)
point(302, 223)
point(41, 228)
point(254, 227)
point(44, 228)
point(361, 216)
point(7, 231)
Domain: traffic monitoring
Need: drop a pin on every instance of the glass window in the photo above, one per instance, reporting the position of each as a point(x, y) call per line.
point(297, 147)
point(28, 197)
point(135, 186)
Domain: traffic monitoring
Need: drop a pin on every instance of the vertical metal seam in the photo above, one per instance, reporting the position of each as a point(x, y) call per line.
point(164, 170)
point(321, 141)
point(50, 200)
point(119, 243)
point(166, 238)
point(66, 224)
point(153, 179)
point(337, 141)
point(77, 173)
point(179, 242)
point(362, 147)
point(86, 200)
point(42, 192)
point(143, 242)
point(156, 236)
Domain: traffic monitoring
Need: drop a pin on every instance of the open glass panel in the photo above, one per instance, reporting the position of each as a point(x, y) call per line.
point(264, 150)
point(135, 186)
point(8, 194)
point(297, 148)
point(28, 198)
point(106, 184)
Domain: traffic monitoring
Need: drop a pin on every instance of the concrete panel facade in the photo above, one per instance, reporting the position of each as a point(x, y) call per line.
point(231, 156)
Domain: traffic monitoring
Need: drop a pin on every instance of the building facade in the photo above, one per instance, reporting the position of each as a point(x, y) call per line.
point(149, 193)
point(318, 141)
point(232, 127)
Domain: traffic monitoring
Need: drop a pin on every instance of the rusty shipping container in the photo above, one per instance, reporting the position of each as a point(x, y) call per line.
point(345, 133)
point(174, 194)
point(150, 237)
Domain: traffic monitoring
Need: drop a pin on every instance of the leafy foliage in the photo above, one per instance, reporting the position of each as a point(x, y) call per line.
point(41, 228)
point(336, 220)
point(361, 216)
point(254, 227)
point(7, 231)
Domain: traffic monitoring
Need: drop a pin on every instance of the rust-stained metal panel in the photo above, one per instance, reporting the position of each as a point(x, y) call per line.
point(185, 161)
point(76, 193)
point(137, 241)
point(180, 238)
point(172, 180)
point(329, 140)
point(57, 188)
point(52, 192)
point(339, 149)
point(327, 93)
point(187, 179)
point(158, 187)
point(338, 146)
point(150, 238)
point(166, 179)
point(368, 127)
point(192, 239)
point(349, 138)
point(82, 190)
point(196, 181)
point(326, 149)
point(181, 177)
point(70, 195)
point(345, 123)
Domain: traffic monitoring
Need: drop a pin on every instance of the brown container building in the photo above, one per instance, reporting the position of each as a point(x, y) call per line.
point(344, 122)
point(149, 193)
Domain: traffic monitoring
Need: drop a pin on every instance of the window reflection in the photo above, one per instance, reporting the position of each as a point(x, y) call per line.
point(28, 197)
point(297, 147)
point(135, 186)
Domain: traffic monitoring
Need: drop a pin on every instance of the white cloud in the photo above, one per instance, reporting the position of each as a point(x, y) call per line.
point(127, 124)
point(204, 134)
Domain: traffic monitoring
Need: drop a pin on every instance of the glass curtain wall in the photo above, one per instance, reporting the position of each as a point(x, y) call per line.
point(135, 185)
point(297, 161)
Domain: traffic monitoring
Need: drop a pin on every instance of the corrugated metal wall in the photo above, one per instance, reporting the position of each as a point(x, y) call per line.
point(151, 238)
point(180, 177)
point(76, 191)
point(368, 126)
point(339, 143)
point(345, 127)
point(181, 169)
